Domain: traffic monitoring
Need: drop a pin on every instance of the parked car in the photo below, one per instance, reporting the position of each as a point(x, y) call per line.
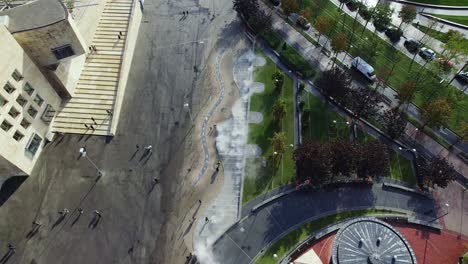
point(275, 2)
point(363, 67)
point(393, 33)
point(462, 76)
point(412, 45)
point(303, 23)
point(427, 54)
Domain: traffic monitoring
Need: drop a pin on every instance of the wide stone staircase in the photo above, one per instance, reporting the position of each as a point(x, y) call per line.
point(96, 92)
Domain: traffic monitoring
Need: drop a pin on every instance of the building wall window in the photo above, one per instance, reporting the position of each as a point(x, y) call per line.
point(5, 126)
point(17, 76)
point(21, 100)
point(38, 100)
point(25, 123)
point(28, 89)
point(18, 136)
point(63, 52)
point(34, 144)
point(3, 101)
point(32, 111)
point(9, 88)
point(13, 112)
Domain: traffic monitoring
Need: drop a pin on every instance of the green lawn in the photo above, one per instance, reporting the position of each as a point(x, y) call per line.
point(289, 55)
point(457, 19)
point(441, 36)
point(287, 243)
point(319, 125)
point(386, 56)
point(444, 2)
point(259, 180)
point(400, 168)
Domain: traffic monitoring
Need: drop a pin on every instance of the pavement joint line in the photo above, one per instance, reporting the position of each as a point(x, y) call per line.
point(238, 246)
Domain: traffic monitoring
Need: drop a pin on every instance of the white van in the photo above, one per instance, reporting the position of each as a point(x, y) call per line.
point(364, 67)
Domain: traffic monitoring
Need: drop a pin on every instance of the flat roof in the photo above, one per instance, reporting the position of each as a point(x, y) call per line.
point(35, 14)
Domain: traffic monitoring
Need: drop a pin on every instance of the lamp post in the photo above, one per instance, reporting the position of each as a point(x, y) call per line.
point(83, 154)
point(408, 149)
point(435, 90)
point(336, 125)
point(447, 206)
point(187, 107)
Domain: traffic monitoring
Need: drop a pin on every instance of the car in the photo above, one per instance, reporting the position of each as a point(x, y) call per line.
point(412, 45)
point(275, 2)
point(363, 67)
point(427, 54)
point(303, 23)
point(393, 33)
point(462, 76)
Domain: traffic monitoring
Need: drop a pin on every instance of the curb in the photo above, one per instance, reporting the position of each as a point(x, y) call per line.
point(445, 21)
point(431, 6)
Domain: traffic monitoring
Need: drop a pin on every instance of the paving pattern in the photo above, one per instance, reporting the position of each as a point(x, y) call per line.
point(208, 116)
point(96, 91)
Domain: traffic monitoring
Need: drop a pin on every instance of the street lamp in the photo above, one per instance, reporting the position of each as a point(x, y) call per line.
point(435, 90)
point(83, 154)
point(187, 107)
point(447, 206)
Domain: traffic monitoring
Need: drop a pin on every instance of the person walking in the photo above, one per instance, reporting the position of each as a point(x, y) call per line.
point(149, 148)
point(97, 213)
point(80, 211)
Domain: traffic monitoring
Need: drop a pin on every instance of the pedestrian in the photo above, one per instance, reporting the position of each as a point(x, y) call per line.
point(109, 112)
point(65, 211)
point(94, 120)
point(94, 48)
point(120, 33)
point(36, 224)
point(92, 127)
point(80, 211)
point(87, 127)
point(149, 148)
point(11, 247)
point(199, 201)
point(141, 4)
point(137, 147)
point(206, 219)
point(118, 36)
point(83, 149)
point(97, 213)
point(155, 180)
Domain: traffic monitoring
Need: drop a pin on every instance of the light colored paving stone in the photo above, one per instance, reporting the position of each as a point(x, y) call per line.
point(255, 117)
point(257, 87)
point(252, 151)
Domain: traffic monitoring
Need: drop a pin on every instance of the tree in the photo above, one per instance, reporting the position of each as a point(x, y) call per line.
point(436, 112)
point(368, 49)
point(373, 160)
point(323, 25)
point(382, 16)
point(278, 79)
point(339, 43)
point(312, 162)
point(260, 21)
point(306, 13)
point(246, 8)
point(394, 123)
point(455, 46)
point(278, 142)
point(279, 110)
point(407, 14)
point(436, 171)
point(343, 155)
point(383, 74)
point(363, 102)
point(335, 83)
point(406, 92)
point(462, 133)
point(289, 7)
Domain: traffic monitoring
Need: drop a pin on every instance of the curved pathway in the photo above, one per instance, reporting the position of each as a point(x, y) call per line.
point(259, 229)
point(208, 116)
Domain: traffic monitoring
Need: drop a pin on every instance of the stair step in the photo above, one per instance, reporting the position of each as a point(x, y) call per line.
point(100, 87)
point(93, 92)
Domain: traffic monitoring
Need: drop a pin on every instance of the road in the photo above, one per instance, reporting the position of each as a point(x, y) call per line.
point(248, 237)
point(135, 226)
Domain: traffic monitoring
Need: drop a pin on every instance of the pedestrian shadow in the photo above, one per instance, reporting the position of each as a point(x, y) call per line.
point(147, 158)
point(214, 176)
point(76, 219)
point(32, 233)
point(60, 220)
point(188, 228)
point(134, 154)
point(94, 222)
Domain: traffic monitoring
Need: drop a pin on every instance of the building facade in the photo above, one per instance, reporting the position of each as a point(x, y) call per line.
point(43, 54)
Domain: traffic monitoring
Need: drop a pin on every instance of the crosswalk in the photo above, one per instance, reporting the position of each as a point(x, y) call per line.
point(90, 110)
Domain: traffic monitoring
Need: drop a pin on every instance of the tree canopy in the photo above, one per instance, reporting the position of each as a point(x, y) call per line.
point(436, 171)
point(436, 112)
point(394, 123)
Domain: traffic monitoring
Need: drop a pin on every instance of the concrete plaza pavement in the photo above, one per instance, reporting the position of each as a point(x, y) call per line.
point(136, 225)
point(255, 231)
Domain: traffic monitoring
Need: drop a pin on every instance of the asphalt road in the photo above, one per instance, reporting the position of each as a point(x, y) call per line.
point(247, 238)
point(134, 225)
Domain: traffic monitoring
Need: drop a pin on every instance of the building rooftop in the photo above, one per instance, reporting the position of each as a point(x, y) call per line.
point(34, 14)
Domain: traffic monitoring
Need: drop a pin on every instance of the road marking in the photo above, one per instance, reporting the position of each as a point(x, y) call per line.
point(238, 246)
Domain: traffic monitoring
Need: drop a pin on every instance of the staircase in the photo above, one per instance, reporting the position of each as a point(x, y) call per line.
point(96, 91)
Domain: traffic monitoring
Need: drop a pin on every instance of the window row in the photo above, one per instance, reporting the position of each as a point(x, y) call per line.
point(34, 142)
point(9, 88)
point(6, 125)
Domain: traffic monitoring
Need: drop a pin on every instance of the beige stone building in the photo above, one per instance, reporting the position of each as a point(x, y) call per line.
point(43, 52)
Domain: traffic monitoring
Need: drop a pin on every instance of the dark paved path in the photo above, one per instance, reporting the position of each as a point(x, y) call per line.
point(253, 233)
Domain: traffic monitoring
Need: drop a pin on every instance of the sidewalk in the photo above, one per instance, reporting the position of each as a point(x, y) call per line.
point(314, 56)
